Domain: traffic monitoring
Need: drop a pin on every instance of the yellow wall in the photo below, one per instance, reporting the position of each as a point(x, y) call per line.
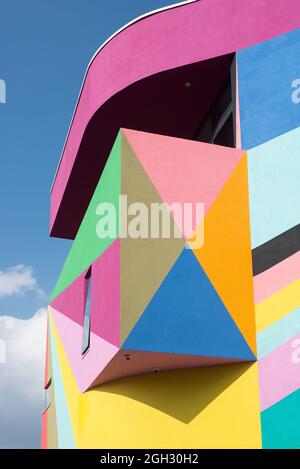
point(212, 407)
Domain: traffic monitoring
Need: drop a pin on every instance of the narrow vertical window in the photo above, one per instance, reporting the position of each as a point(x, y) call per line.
point(47, 395)
point(218, 125)
point(87, 314)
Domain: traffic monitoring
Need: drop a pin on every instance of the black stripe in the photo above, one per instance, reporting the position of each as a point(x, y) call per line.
point(276, 250)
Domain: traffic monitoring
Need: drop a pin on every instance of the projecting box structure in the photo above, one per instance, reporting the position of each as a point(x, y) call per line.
point(155, 340)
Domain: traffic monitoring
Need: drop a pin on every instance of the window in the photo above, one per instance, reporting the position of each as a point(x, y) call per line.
point(87, 314)
point(47, 395)
point(218, 125)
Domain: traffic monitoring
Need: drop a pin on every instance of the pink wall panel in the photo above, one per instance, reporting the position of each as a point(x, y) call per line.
point(44, 434)
point(171, 162)
point(105, 302)
point(274, 279)
point(279, 373)
point(86, 368)
point(71, 301)
point(176, 37)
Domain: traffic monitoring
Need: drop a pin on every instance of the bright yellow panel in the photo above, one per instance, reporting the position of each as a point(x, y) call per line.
point(211, 407)
point(278, 305)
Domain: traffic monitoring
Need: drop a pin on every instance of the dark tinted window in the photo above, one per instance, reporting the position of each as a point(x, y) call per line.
point(87, 314)
point(217, 126)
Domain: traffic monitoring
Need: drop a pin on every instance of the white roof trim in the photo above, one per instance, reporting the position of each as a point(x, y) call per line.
point(174, 5)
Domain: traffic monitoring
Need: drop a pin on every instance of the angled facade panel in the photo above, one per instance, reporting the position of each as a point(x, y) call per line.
point(175, 321)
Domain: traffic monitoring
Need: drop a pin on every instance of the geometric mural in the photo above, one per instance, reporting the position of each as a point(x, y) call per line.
point(198, 410)
point(157, 341)
point(273, 163)
point(137, 322)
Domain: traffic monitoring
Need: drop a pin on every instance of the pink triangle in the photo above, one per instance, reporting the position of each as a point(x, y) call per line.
point(87, 368)
point(184, 171)
point(71, 300)
point(105, 302)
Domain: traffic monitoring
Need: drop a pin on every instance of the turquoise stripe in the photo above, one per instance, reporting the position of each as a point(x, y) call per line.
point(280, 423)
point(274, 188)
point(279, 333)
point(64, 428)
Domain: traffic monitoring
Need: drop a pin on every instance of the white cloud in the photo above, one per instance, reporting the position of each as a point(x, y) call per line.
point(21, 380)
point(18, 279)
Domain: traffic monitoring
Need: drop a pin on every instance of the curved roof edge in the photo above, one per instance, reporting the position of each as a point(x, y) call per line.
point(135, 20)
point(178, 35)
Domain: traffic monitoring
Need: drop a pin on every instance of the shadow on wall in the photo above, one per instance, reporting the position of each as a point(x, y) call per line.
point(160, 104)
point(171, 392)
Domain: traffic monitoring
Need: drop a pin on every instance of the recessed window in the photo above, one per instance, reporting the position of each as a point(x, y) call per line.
point(217, 126)
point(87, 314)
point(47, 395)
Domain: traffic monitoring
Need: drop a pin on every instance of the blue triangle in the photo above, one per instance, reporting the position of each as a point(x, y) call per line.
point(186, 316)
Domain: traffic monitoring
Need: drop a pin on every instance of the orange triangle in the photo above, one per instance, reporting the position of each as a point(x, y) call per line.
point(183, 171)
point(226, 252)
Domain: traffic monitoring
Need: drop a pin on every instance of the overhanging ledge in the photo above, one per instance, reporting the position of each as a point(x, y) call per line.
point(146, 60)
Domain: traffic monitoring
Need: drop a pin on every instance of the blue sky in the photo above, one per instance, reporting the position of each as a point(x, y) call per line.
point(45, 47)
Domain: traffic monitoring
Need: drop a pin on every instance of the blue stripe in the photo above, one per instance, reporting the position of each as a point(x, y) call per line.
point(279, 333)
point(64, 427)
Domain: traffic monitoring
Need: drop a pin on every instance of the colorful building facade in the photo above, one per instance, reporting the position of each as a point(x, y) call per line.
point(154, 341)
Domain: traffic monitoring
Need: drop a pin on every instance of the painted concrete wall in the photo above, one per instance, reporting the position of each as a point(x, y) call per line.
point(173, 310)
point(252, 203)
point(177, 37)
point(268, 75)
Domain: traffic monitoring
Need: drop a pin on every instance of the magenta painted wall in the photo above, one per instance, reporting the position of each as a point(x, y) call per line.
point(72, 300)
point(186, 34)
point(105, 296)
point(105, 300)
